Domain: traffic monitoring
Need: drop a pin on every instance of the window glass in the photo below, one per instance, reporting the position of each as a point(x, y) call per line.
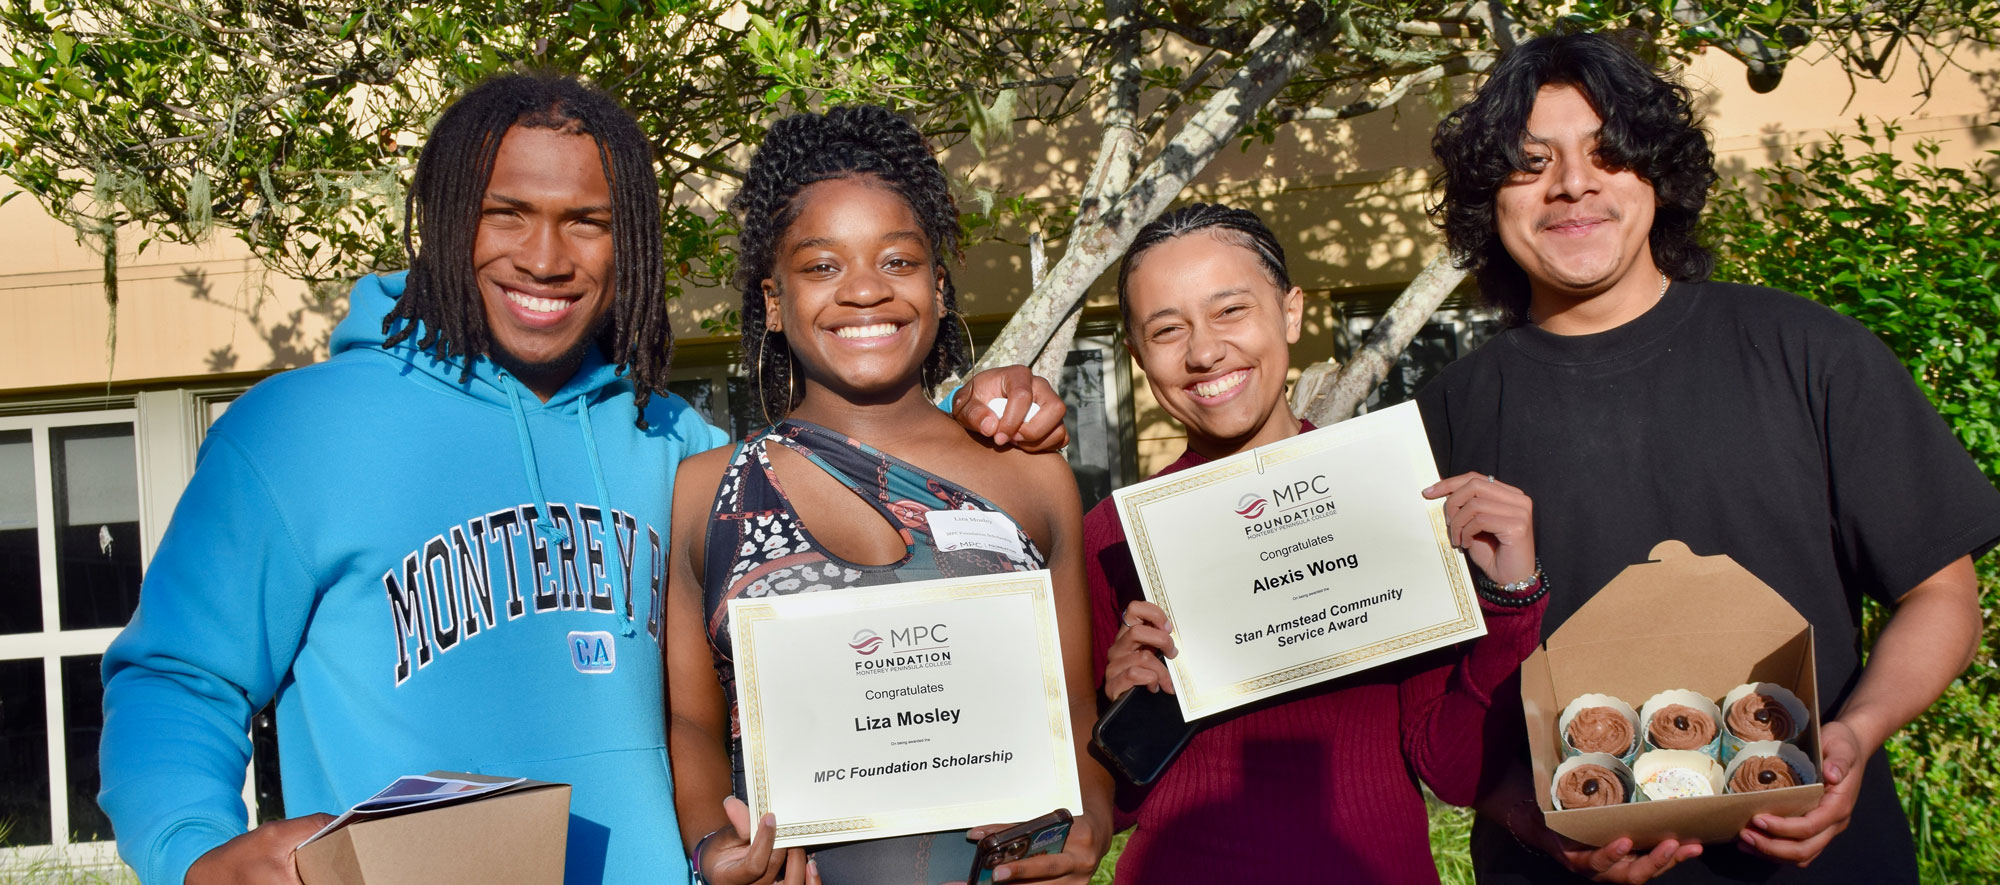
point(97, 525)
point(24, 754)
point(20, 550)
point(1093, 442)
point(83, 724)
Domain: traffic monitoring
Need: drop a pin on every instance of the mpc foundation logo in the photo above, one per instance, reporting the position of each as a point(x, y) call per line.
point(865, 642)
point(1294, 503)
point(912, 647)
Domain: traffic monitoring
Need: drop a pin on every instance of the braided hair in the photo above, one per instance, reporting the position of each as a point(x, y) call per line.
point(845, 142)
point(444, 202)
point(1240, 227)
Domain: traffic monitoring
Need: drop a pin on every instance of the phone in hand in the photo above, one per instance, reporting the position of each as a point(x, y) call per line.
point(1141, 734)
point(1043, 835)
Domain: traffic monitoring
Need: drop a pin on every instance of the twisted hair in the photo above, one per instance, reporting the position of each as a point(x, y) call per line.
point(444, 201)
point(1649, 128)
point(845, 142)
point(1241, 227)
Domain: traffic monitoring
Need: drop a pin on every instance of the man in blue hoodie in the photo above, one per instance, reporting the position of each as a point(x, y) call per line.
point(443, 548)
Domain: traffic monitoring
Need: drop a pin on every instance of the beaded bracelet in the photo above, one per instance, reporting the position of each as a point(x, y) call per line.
point(1519, 594)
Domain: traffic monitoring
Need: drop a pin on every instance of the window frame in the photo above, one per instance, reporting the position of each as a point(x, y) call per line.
point(52, 643)
point(168, 427)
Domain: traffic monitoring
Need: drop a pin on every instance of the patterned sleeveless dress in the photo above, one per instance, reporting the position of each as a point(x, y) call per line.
point(757, 546)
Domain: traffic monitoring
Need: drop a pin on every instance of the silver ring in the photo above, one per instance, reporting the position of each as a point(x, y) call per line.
point(1489, 478)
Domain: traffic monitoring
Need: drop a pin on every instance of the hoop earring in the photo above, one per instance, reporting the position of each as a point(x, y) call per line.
point(763, 398)
point(971, 352)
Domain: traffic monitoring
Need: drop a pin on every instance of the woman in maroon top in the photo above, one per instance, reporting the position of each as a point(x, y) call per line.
point(1321, 784)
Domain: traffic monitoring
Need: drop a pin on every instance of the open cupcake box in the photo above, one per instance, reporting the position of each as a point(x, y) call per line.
point(1678, 621)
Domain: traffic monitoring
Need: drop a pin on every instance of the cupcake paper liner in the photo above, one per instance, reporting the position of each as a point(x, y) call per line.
point(1676, 774)
point(1585, 702)
point(1616, 765)
point(1732, 744)
point(1685, 698)
point(1793, 756)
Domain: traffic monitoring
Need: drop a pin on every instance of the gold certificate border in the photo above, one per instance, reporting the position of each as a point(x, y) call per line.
point(746, 616)
point(1201, 698)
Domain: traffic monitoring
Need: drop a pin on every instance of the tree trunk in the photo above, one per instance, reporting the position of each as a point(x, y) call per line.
point(1111, 219)
point(1325, 402)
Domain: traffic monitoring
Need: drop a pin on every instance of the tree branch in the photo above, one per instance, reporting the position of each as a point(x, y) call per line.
point(1277, 54)
point(1328, 402)
point(1470, 63)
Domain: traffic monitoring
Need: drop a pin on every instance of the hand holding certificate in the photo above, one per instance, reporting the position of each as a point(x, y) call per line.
point(903, 709)
point(1295, 563)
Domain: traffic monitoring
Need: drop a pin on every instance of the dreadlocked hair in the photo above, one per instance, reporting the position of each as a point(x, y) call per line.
point(845, 142)
point(1240, 227)
point(442, 292)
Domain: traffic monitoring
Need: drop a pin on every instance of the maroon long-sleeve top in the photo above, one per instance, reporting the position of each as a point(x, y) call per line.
point(1321, 784)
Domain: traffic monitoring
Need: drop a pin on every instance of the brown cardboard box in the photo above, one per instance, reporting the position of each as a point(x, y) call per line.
point(514, 835)
point(1679, 621)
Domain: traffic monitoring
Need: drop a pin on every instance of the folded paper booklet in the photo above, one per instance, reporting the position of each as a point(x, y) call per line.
point(503, 830)
point(1301, 561)
point(411, 792)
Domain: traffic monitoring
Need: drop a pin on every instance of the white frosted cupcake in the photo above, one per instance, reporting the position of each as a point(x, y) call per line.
point(1679, 719)
point(1590, 780)
point(1768, 765)
point(1676, 774)
point(1599, 723)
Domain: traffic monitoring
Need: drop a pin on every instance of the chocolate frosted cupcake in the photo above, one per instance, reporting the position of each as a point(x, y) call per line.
point(1591, 780)
point(1769, 765)
point(1596, 723)
point(1760, 711)
point(1676, 774)
point(1678, 719)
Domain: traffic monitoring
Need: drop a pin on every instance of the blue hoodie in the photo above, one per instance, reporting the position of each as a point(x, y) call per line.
point(425, 574)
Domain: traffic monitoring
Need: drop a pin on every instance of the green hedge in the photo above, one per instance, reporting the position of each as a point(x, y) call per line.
point(1912, 250)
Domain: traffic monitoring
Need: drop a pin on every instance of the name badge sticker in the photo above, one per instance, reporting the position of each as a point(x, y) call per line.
point(976, 530)
point(592, 651)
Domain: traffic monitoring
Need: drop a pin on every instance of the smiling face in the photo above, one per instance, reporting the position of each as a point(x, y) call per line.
point(855, 290)
point(1214, 334)
point(1577, 227)
point(543, 254)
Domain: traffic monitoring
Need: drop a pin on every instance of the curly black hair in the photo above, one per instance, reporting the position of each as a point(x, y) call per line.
point(443, 204)
point(1649, 128)
point(1239, 226)
point(844, 142)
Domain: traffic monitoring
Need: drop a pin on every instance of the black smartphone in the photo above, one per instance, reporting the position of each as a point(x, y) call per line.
point(1043, 835)
point(1142, 733)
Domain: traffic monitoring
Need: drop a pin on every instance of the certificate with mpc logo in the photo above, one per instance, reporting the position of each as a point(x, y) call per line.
point(1298, 562)
point(908, 708)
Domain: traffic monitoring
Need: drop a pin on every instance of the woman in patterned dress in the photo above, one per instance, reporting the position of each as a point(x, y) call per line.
point(848, 231)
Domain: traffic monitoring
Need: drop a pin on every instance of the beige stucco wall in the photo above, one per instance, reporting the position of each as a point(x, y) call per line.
point(208, 312)
point(1346, 198)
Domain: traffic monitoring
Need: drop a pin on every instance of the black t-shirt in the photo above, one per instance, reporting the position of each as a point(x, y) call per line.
point(1743, 421)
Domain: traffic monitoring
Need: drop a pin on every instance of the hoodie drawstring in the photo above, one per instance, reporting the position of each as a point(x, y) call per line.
point(544, 526)
point(603, 499)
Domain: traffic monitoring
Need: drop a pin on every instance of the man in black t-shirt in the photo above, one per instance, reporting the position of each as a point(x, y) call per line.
point(1637, 402)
